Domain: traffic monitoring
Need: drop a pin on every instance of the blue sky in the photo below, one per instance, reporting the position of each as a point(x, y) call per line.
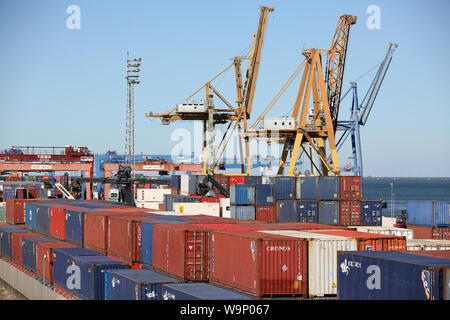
point(61, 86)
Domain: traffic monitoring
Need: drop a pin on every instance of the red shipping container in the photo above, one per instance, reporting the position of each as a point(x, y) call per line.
point(44, 258)
point(441, 233)
point(58, 221)
point(350, 213)
point(16, 244)
point(237, 179)
point(421, 232)
point(443, 254)
point(182, 250)
point(350, 188)
point(227, 226)
point(223, 180)
point(370, 241)
point(211, 200)
point(268, 264)
point(267, 213)
point(292, 225)
point(124, 237)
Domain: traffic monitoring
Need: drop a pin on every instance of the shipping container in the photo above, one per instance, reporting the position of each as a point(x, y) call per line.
point(286, 211)
point(5, 240)
point(188, 208)
point(147, 238)
point(125, 237)
point(407, 233)
point(370, 241)
point(136, 284)
point(58, 221)
point(309, 188)
point(329, 212)
point(29, 251)
point(441, 213)
point(427, 244)
point(269, 265)
point(242, 194)
point(96, 231)
point(152, 195)
point(200, 291)
point(350, 188)
point(170, 199)
point(267, 213)
point(225, 207)
point(236, 179)
point(322, 258)
point(16, 244)
point(421, 232)
point(371, 213)
point(441, 233)
point(62, 262)
point(443, 254)
point(224, 181)
point(91, 282)
point(253, 180)
point(307, 211)
point(285, 188)
point(15, 210)
point(74, 225)
point(182, 250)
point(329, 188)
point(176, 182)
point(264, 194)
point(43, 218)
point(44, 258)
point(242, 212)
point(390, 276)
point(350, 213)
point(428, 213)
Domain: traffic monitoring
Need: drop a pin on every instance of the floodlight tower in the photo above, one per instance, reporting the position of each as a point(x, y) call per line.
point(132, 79)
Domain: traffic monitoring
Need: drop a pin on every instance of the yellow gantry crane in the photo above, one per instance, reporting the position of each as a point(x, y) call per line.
point(314, 127)
point(235, 116)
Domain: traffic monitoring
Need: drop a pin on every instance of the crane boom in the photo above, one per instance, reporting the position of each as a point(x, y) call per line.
point(335, 64)
point(366, 107)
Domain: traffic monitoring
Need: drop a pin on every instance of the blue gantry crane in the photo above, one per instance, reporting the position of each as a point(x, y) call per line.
point(360, 112)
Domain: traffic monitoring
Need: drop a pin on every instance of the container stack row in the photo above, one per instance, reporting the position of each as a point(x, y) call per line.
point(101, 250)
point(429, 219)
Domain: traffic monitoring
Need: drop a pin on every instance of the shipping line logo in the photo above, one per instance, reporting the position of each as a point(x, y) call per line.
point(426, 277)
point(373, 280)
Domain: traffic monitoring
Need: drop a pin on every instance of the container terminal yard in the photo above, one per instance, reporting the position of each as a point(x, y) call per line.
point(75, 225)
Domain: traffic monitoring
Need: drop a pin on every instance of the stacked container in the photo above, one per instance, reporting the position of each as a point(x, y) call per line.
point(371, 212)
point(242, 199)
point(199, 291)
point(429, 219)
point(265, 209)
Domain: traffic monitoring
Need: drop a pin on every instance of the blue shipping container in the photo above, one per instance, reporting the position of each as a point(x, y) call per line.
point(420, 213)
point(371, 212)
point(285, 188)
point(74, 225)
point(63, 258)
point(29, 251)
point(136, 284)
point(309, 188)
point(286, 211)
point(199, 291)
point(329, 212)
point(390, 275)
point(329, 188)
point(242, 212)
point(242, 194)
point(264, 194)
point(176, 182)
point(43, 218)
point(253, 180)
point(147, 239)
point(307, 211)
point(5, 240)
point(441, 213)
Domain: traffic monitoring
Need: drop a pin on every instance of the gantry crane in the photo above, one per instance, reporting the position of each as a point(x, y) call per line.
point(206, 111)
point(316, 129)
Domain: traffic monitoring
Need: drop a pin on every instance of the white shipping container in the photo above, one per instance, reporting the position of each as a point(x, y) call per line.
point(152, 194)
point(193, 208)
point(322, 259)
point(427, 244)
point(388, 221)
point(184, 184)
point(148, 204)
point(408, 233)
point(225, 205)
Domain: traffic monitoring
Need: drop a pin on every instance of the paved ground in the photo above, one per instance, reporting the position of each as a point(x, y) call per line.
point(6, 295)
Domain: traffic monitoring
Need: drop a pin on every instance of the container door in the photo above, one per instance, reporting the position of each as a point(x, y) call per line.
point(197, 256)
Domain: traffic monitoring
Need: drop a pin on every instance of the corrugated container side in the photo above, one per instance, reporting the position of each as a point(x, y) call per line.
point(199, 291)
point(420, 213)
point(350, 188)
point(267, 213)
point(309, 188)
point(264, 194)
point(285, 188)
point(441, 213)
point(441, 233)
point(43, 218)
point(307, 211)
point(5, 241)
point(223, 180)
point(329, 212)
point(269, 265)
point(253, 180)
point(29, 251)
point(44, 258)
point(421, 232)
point(95, 231)
point(362, 276)
point(136, 284)
point(286, 211)
point(349, 213)
point(243, 212)
point(242, 194)
point(329, 188)
point(236, 179)
point(16, 244)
